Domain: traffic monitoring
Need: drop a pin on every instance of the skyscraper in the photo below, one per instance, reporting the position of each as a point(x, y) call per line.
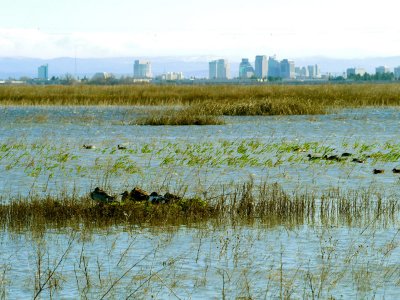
point(287, 69)
point(397, 72)
point(212, 69)
point(43, 72)
point(142, 69)
point(219, 69)
point(274, 67)
point(261, 66)
point(245, 69)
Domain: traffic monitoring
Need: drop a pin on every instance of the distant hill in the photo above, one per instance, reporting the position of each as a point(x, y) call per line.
point(195, 66)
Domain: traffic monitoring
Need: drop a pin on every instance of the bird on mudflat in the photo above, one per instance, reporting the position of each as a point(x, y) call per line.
point(120, 147)
point(101, 196)
point(88, 146)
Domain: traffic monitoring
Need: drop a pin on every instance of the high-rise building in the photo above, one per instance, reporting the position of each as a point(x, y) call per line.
point(43, 72)
point(287, 70)
point(223, 69)
point(354, 72)
point(212, 69)
point(274, 67)
point(397, 72)
point(245, 69)
point(219, 69)
point(261, 66)
point(142, 69)
point(313, 71)
point(382, 70)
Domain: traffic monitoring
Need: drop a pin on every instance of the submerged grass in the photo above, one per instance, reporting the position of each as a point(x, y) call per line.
point(245, 203)
point(218, 100)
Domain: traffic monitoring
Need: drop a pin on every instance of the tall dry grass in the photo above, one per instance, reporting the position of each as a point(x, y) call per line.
point(219, 100)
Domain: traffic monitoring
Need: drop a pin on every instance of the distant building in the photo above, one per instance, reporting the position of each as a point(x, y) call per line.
point(101, 76)
point(274, 67)
point(142, 69)
point(246, 70)
point(354, 72)
point(301, 72)
point(172, 76)
point(313, 71)
point(287, 69)
point(397, 72)
point(43, 72)
point(261, 66)
point(219, 69)
point(382, 70)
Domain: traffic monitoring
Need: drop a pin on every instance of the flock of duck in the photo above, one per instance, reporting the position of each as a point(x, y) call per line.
point(137, 195)
point(345, 156)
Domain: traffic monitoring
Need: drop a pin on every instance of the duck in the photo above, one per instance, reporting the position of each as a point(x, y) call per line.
point(346, 154)
point(125, 196)
point(156, 198)
point(331, 157)
point(395, 170)
point(357, 160)
point(314, 156)
point(88, 146)
point(171, 197)
point(137, 194)
point(378, 171)
point(121, 147)
point(101, 196)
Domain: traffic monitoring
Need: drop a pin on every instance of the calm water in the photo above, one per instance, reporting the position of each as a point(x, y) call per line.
point(42, 154)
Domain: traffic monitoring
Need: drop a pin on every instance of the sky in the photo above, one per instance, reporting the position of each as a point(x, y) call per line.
point(218, 28)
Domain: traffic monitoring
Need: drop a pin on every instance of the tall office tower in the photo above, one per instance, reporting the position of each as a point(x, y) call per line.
point(245, 69)
point(223, 69)
point(142, 69)
point(261, 66)
point(219, 69)
point(311, 71)
point(397, 72)
point(287, 69)
point(212, 70)
point(354, 71)
point(274, 67)
point(43, 72)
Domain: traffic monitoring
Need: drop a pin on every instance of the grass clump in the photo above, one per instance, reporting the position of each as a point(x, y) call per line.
point(177, 118)
point(266, 202)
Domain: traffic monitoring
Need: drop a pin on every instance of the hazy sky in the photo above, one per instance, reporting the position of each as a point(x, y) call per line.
point(226, 28)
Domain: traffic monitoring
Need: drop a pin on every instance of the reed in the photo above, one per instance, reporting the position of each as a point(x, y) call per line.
point(247, 202)
point(225, 100)
point(177, 118)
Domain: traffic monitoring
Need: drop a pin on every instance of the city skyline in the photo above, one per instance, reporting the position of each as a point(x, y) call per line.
point(339, 29)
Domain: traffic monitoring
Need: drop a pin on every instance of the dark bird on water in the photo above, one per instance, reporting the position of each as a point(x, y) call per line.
point(346, 154)
point(357, 160)
point(88, 146)
point(121, 147)
point(396, 170)
point(378, 171)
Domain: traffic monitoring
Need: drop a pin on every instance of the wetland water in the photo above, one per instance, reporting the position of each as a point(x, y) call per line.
point(41, 154)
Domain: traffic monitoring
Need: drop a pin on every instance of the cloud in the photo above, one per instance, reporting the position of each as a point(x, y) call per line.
point(284, 41)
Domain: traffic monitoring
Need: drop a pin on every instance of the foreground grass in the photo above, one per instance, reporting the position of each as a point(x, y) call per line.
point(216, 100)
point(267, 202)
